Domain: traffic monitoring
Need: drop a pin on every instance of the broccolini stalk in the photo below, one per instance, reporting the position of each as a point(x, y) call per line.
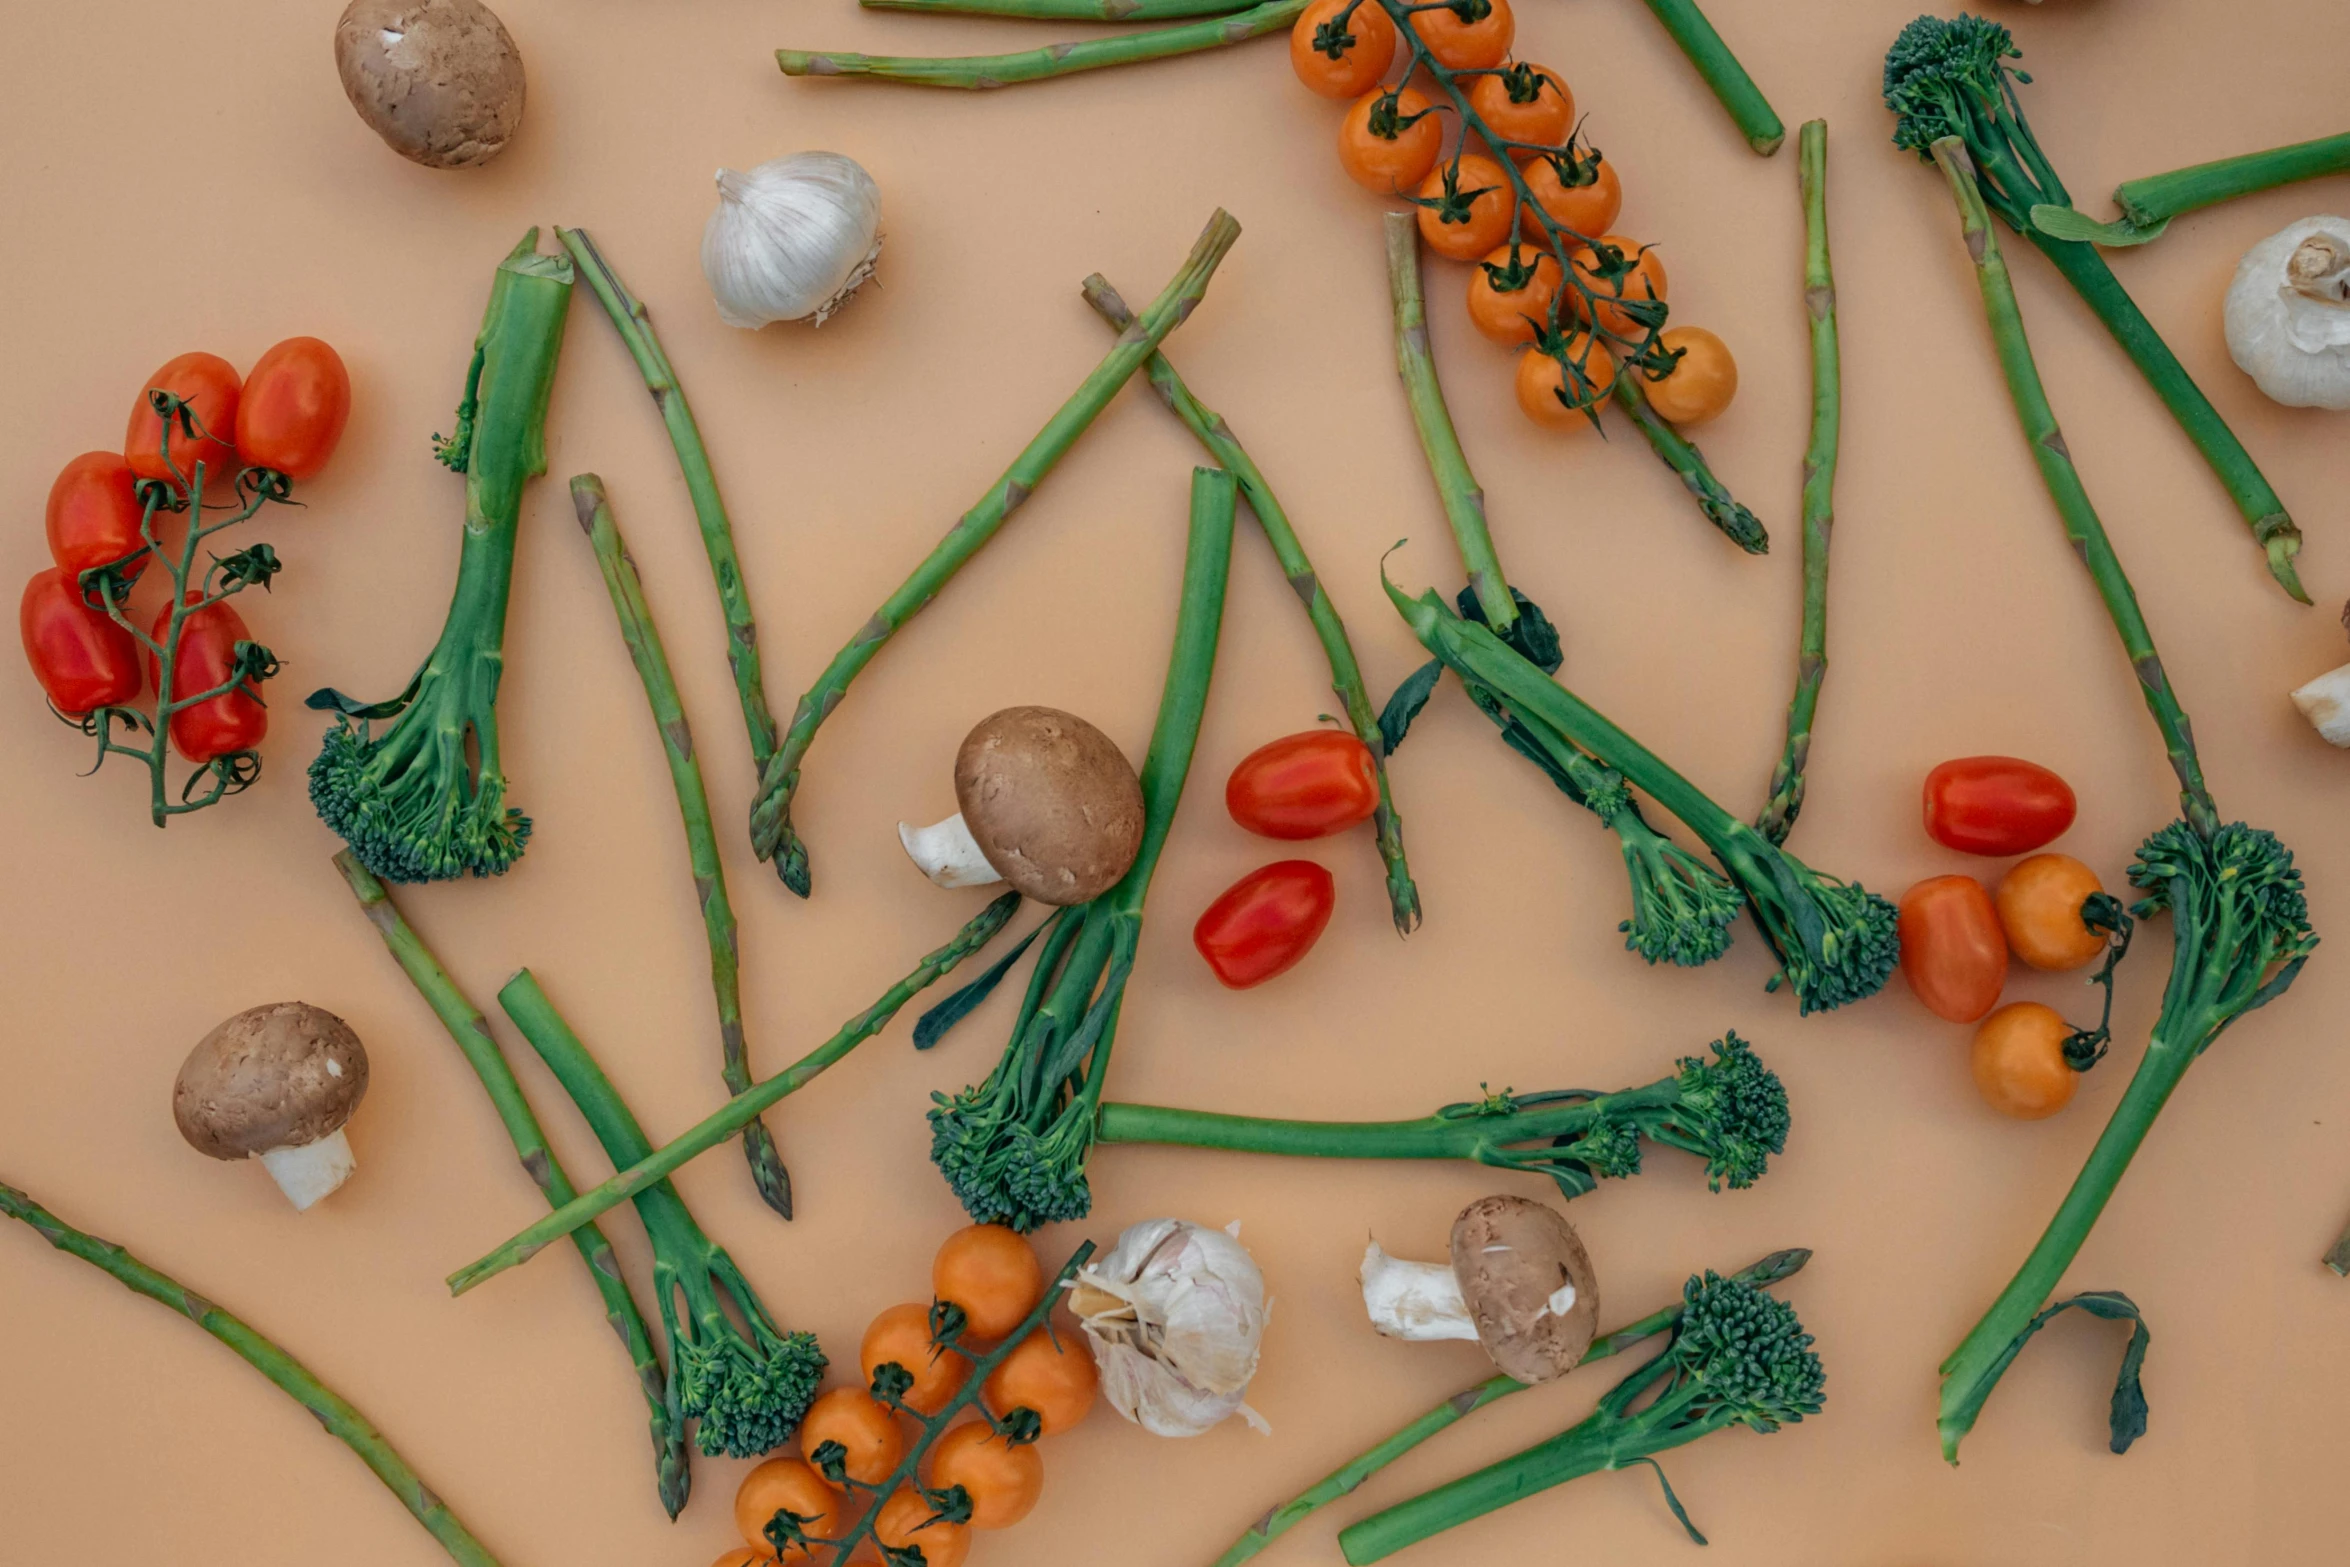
point(1730, 1111)
point(471, 1032)
point(424, 798)
point(294, 1379)
point(1065, 59)
point(2150, 203)
point(2240, 923)
point(1014, 1147)
point(1748, 109)
point(722, 1124)
point(1950, 78)
point(1346, 1479)
point(1068, 10)
point(1346, 676)
point(1738, 1357)
point(693, 803)
point(746, 1386)
point(772, 834)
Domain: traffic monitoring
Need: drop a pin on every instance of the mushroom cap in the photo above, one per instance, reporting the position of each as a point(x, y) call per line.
point(1511, 1257)
point(1051, 801)
point(439, 80)
point(277, 1076)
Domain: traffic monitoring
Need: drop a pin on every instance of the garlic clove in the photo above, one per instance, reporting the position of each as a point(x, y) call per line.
point(1175, 1314)
point(2325, 702)
point(791, 239)
point(948, 854)
point(1418, 1301)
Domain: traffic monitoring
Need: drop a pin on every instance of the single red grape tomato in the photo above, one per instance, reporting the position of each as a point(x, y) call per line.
point(1265, 922)
point(1996, 805)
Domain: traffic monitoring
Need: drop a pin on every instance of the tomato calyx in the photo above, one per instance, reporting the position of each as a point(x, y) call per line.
point(1468, 12)
point(1576, 164)
point(1573, 352)
point(1332, 39)
point(1019, 1428)
point(2101, 911)
point(1455, 205)
point(1515, 274)
point(1387, 121)
point(949, 1504)
point(1522, 82)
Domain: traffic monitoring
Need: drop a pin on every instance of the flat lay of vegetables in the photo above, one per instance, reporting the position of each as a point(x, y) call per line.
point(1198, 1135)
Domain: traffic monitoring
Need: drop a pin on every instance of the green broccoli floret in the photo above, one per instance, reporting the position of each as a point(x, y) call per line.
point(2239, 919)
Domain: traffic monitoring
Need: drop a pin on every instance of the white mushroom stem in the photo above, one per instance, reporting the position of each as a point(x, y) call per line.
point(1414, 1300)
point(2325, 702)
point(947, 853)
point(312, 1170)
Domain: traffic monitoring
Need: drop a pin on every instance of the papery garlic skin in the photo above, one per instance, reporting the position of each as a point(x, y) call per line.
point(1175, 1313)
point(1419, 1301)
point(791, 239)
point(2325, 702)
point(2288, 314)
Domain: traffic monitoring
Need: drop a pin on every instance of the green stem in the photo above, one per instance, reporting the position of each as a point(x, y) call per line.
point(1344, 1480)
point(1065, 59)
point(2055, 462)
point(1456, 486)
point(294, 1379)
point(1749, 110)
point(2158, 198)
point(471, 1032)
point(1740, 526)
point(1819, 484)
point(635, 324)
point(1068, 10)
point(693, 804)
point(1474, 1136)
point(721, 1125)
point(1346, 676)
point(772, 834)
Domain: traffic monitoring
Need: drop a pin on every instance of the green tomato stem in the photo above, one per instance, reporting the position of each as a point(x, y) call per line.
point(1063, 59)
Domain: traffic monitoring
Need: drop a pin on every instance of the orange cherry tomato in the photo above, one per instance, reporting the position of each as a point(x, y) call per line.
point(1050, 1373)
point(82, 657)
point(1511, 291)
point(294, 406)
point(1473, 201)
point(1550, 397)
point(1468, 35)
point(1264, 924)
point(210, 386)
point(785, 1485)
point(1952, 952)
point(1583, 198)
point(1617, 268)
point(1701, 382)
point(94, 513)
point(868, 1432)
point(2018, 1061)
point(2040, 908)
point(905, 1519)
point(1524, 103)
point(743, 1556)
point(992, 1273)
point(902, 1334)
point(1002, 1480)
point(1342, 59)
point(1996, 805)
point(1389, 141)
point(1306, 785)
point(232, 721)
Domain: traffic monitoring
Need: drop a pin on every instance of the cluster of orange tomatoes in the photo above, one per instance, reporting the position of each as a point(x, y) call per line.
point(1471, 208)
point(853, 1444)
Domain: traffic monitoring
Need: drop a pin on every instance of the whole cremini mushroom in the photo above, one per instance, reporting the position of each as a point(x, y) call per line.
point(1519, 1283)
point(1049, 804)
point(439, 80)
point(279, 1082)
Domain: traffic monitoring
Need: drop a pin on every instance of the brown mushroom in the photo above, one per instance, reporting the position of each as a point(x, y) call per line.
point(1520, 1284)
point(1049, 804)
point(276, 1082)
point(439, 80)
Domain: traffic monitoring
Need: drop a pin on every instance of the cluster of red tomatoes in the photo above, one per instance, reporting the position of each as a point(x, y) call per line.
point(854, 1444)
point(1536, 202)
point(1957, 934)
point(286, 419)
point(1300, 786)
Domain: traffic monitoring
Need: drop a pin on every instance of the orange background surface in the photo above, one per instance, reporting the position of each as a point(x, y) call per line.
point(191, 177)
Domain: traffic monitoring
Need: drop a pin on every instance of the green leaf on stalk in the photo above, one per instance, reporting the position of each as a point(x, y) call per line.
point(2126, 1419)
point(932, 1026)
point(1395, 719)
point(2065, 223)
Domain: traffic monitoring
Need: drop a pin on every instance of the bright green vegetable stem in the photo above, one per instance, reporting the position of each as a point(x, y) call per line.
point(1344, 1481)
point(1346, 676)
point(693, 804)
point(772, 835)
point(2158, 198)
point(1474, 1136)
point(730, 1118)
point(1819, 484)
point(332, 1411)
point(471, 1031)
point(1028, 65)
point(1749, 110)
point(1068, 10)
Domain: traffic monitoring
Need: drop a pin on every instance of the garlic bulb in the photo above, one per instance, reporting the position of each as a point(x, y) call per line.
point(1175, 1313)
point(2288, 314)
point(791, 239)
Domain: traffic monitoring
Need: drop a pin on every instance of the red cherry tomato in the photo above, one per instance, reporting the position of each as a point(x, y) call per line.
point(81, 657)
point(1265, 922)
point(94, 513)
point(210, 386)
point(1304, 786)
point(1953, 952)
point(293, 408)
point(232, 721)
point(1996, 805)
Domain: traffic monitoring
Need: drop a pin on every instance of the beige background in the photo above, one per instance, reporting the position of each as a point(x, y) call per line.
point(190, 176)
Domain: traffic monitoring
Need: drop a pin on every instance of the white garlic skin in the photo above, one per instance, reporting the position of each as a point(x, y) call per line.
point(2288, 314)
point(2325, 702)
point(791, 239)
point(1175, 1313)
